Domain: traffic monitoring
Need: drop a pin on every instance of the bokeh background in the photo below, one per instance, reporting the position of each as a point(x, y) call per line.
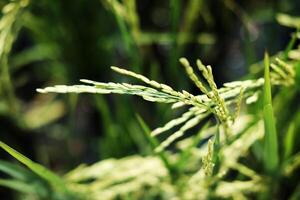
point(60, 42)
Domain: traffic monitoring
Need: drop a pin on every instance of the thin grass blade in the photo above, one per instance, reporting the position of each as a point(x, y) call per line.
point(271, 158)
point(40, 170)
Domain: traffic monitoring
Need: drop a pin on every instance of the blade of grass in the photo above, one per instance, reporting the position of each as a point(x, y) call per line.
point(54, 180)
point(216, 150)
point(15, 171)
point(154, 143)
point(19, 186)
point(270, 153)
point(175, 6)
point(289, 140)
point(127, 37)
point(290, 45)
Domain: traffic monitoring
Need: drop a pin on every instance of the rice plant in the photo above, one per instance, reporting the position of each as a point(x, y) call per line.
point(237, 141)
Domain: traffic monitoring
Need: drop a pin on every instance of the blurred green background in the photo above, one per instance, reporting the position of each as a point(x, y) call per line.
point(60, 42)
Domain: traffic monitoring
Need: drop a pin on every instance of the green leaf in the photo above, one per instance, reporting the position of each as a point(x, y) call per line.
point(216, 154)
point(19, 186)
point(270, 154)
point(55, 181)
point(290, 45)
point(154, 143)
point(15, 171)
point(289, 140)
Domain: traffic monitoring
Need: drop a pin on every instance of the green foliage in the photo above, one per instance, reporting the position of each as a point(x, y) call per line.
point(9, 28)
point(55, 181)
point(221, 153)
point(271, 158)
point(215, 149)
